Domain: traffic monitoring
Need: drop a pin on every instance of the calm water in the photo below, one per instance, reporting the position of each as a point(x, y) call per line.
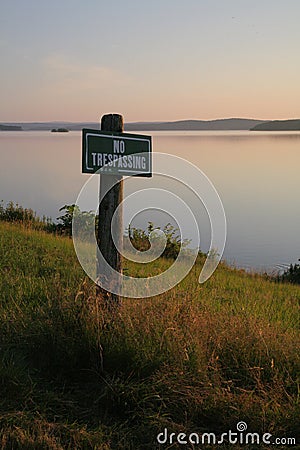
point(255, 174)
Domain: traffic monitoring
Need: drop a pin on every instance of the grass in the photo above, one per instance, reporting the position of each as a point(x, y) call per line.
point(199, 358)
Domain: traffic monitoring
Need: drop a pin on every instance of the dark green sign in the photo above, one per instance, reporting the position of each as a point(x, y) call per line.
point(114, 153)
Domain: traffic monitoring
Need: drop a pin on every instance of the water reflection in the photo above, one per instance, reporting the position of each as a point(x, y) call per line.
point(256, 175)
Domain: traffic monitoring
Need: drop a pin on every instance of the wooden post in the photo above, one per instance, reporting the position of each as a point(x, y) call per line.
point(110, 197)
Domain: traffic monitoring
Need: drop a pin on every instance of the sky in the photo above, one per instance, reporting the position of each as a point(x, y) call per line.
point(76, 60)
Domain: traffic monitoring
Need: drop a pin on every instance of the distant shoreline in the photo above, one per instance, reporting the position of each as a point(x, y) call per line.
point(179, 125)
point(10, 128)
point(278, 125)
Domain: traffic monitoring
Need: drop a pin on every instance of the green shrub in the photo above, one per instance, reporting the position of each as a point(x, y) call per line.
point(13, 212)
point(291, 275)
point(140, 239)
point(85, 219)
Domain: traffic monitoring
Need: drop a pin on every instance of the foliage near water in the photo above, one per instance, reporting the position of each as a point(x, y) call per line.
point(291, 274)
point(15, 213)
point(199, 358)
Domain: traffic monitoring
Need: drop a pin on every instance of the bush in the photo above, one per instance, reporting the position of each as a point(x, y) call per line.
point(86, 218)
point(291, 275)
point(140, 239)
point(17, 214)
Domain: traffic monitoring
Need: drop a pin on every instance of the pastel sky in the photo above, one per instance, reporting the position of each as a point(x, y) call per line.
point(75, 60)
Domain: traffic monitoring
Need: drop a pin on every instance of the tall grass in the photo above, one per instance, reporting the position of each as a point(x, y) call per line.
point(75, 374)
point(15, 213)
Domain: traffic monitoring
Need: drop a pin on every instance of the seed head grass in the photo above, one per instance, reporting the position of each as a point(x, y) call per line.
point(77, 374)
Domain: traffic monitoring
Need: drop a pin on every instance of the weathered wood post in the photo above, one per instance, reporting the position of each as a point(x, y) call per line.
point(110, 197)
point(113, 154)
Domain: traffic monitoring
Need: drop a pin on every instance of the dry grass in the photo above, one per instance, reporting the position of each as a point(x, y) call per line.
point(200, 358)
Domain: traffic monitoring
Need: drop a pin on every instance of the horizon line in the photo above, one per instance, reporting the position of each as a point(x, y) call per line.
point(146, 121)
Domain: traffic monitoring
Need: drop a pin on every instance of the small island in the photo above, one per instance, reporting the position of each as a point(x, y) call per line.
point(10, 128)
point(59, 130)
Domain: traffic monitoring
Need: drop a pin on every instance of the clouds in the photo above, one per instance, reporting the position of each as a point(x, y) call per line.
point(149, 61)
point(66, 89)
point(65, 76)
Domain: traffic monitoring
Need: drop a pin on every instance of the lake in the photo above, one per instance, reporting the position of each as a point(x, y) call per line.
point(255, 173)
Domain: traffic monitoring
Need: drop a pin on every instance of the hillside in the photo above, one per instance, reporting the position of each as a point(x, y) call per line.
point(199, 358)
point(181, 125)
point(4, 127)
point(195, 125)
point(278, 125)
